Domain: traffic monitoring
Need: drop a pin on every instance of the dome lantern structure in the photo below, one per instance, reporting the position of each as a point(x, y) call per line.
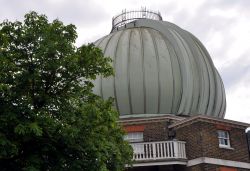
point(128, 16)
point(159, 69)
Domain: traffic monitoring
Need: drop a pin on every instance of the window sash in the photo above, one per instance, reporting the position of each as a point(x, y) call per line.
point(223, 134)
point(224, 139)
point(134, 137)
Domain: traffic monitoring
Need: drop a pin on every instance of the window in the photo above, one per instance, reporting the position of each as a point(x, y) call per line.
point(134, 137)
point(224, 140)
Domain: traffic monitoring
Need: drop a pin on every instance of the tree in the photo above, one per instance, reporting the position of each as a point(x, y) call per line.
point(49, 117)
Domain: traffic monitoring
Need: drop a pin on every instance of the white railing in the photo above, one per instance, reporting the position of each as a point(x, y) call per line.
point(129, 16)
point(159, 150)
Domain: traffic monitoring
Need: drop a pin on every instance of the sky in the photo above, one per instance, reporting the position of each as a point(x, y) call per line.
point(223, 26)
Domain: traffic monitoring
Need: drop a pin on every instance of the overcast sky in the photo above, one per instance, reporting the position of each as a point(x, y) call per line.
point(223, 26)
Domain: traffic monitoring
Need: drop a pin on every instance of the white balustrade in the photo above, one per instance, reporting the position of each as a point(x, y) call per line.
point(159, 150)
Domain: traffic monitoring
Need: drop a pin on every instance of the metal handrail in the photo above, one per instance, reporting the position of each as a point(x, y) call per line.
point(129, 16)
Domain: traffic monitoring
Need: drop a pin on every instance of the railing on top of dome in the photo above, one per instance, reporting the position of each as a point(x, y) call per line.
point(129, 16)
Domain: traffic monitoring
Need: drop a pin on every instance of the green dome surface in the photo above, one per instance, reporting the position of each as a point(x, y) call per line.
point(160, 69)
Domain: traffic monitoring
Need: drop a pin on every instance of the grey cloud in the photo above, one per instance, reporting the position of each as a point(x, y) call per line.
point(237, 72)
point(199, 24)
point(83, 13)
point(202, 24)
point(232, 3)
point(89, 14)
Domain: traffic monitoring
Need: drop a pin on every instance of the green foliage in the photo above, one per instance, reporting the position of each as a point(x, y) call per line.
point(50, 119)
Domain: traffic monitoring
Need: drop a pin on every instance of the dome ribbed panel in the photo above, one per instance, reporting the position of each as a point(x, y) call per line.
point(121, 75)
point(136, 72)
point(101, 43)
point(166, 80)
point(107, 84)
point(223, 106)
point(204, 80)
point(177, 78)
point(212, 81)
point(160, 68)
point(186, 72)
point(150, 73)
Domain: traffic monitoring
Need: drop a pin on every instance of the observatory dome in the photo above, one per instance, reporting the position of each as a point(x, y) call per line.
point(159, 69)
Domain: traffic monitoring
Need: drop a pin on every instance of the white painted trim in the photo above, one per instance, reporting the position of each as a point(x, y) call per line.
point(159, 163)
point(225, 147)
point(197, 118)
point(215, 161)
point(156, 118)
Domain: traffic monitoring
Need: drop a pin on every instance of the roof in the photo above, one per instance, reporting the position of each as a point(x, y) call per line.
point(208, 119)
point(150, 119)
point(160, 68)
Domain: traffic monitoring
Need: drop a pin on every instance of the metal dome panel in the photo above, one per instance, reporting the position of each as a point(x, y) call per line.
point(160, 69)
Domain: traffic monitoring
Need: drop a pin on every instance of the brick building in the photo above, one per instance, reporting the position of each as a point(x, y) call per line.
point(170, 97)
point(193, 143)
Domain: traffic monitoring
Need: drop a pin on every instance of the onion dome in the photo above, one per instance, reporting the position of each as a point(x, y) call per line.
point(159, 69)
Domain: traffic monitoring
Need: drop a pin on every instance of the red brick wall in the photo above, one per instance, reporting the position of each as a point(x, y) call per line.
point(195, 168)
point(200, 167)
point(227, 169)
point(155, 131)
point(134, 128)
point(192, 135)
point(210, 167)
point(202, 141)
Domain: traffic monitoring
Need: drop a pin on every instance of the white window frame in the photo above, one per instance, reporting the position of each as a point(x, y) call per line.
point(224, 139)
point(134, 137)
